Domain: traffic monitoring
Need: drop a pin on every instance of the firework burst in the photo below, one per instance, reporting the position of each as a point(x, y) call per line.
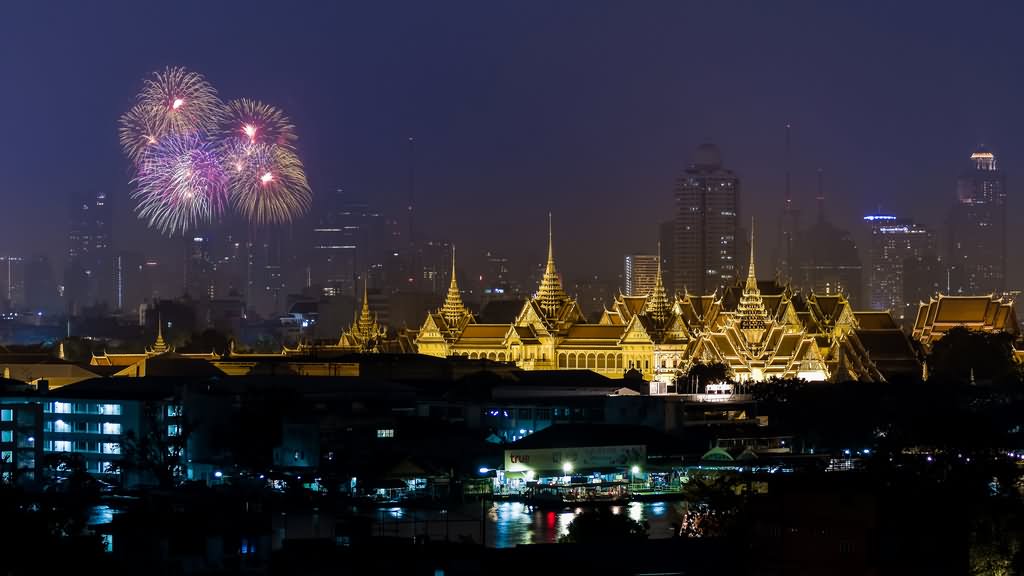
point(181, 184)
point(194, 156)
point(251, 122)
point(180, 102)
point(138, 133)
point(268, 184)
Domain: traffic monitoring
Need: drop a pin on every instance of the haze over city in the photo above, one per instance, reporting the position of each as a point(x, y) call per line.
point(518, 110)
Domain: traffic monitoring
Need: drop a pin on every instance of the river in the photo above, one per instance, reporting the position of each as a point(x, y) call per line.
point(509, 524)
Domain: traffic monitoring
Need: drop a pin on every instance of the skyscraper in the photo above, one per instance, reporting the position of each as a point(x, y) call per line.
point(89, 275)
point(666, 239)
point(894, 242)
point(707, 224)
point(827, 257)
point(787, 250)
point(41, 294)
point(977, 228)
point(347, 240)
point(12, 281)
point(639, 273)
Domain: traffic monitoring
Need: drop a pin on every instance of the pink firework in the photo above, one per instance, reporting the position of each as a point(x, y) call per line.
point(268, 184)
point(180, 102)
point(181, 184)
point(251, 122)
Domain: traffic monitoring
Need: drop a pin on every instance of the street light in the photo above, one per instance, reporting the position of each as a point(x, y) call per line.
point(567, 467)
point(635, 469)
point(484, 470)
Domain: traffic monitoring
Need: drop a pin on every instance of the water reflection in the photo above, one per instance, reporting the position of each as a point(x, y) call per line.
point(508, 524)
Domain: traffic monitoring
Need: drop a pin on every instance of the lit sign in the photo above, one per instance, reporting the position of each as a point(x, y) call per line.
point(879, 217)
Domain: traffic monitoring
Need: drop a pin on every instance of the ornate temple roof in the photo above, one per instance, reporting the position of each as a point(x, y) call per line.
point(986, 313)
point(751, 312)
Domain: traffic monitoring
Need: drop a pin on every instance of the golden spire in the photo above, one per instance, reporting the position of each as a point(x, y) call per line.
point(159, 347)
point(751, 275)
point(753, 316)
point(453, 309)
point(550, 293)
point(657, 306)
point(366, 325)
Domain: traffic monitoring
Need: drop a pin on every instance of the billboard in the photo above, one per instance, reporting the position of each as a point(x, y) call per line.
point(584, 458)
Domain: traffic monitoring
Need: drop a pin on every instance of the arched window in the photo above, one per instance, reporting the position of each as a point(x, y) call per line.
point(601, 362)
point(591, 361)
point(618, 361)
point(563, 361)
point(572, 360)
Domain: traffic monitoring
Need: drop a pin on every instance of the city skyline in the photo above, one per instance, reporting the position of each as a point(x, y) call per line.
point(631, 140)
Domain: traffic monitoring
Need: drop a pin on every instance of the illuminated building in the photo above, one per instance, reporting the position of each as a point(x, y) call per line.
point(977, 226)
point(758, 329)
point(827, 257)
point(894, 241)
point(942, 313)
point(707, 224)
point(639, 271)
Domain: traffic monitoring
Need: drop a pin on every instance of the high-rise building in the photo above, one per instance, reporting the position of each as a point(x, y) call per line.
point(199, 267)
point(347, 240)
point(12, 281)
point(894, 242)
point(707, 224)
point(827, 257)
point(639, 273)
point(41, 293)
point(666, 239)
point(129, 284)
point(977, 228)
point(436, 264)
point(89, 275)
point(788, 250)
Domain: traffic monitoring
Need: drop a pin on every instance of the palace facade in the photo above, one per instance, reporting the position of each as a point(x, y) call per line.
point(760, 330)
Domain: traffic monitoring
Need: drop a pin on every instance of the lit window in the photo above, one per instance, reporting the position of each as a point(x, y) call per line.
point(61, 426)
point(7, 436)
point(173, 430)
point(110, 409)
point(62, 407)
point(174, 410)
point(110, 448)
point(385, 433)
point(111, 428)
point(62, 446)
point(6, 456)
point(6, 415)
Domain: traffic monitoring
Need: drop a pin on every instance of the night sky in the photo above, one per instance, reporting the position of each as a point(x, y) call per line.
point(588, 109)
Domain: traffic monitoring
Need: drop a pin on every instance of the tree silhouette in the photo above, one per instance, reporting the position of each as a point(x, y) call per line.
point(154, 452)
point(602, 527)
point(962, 353)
